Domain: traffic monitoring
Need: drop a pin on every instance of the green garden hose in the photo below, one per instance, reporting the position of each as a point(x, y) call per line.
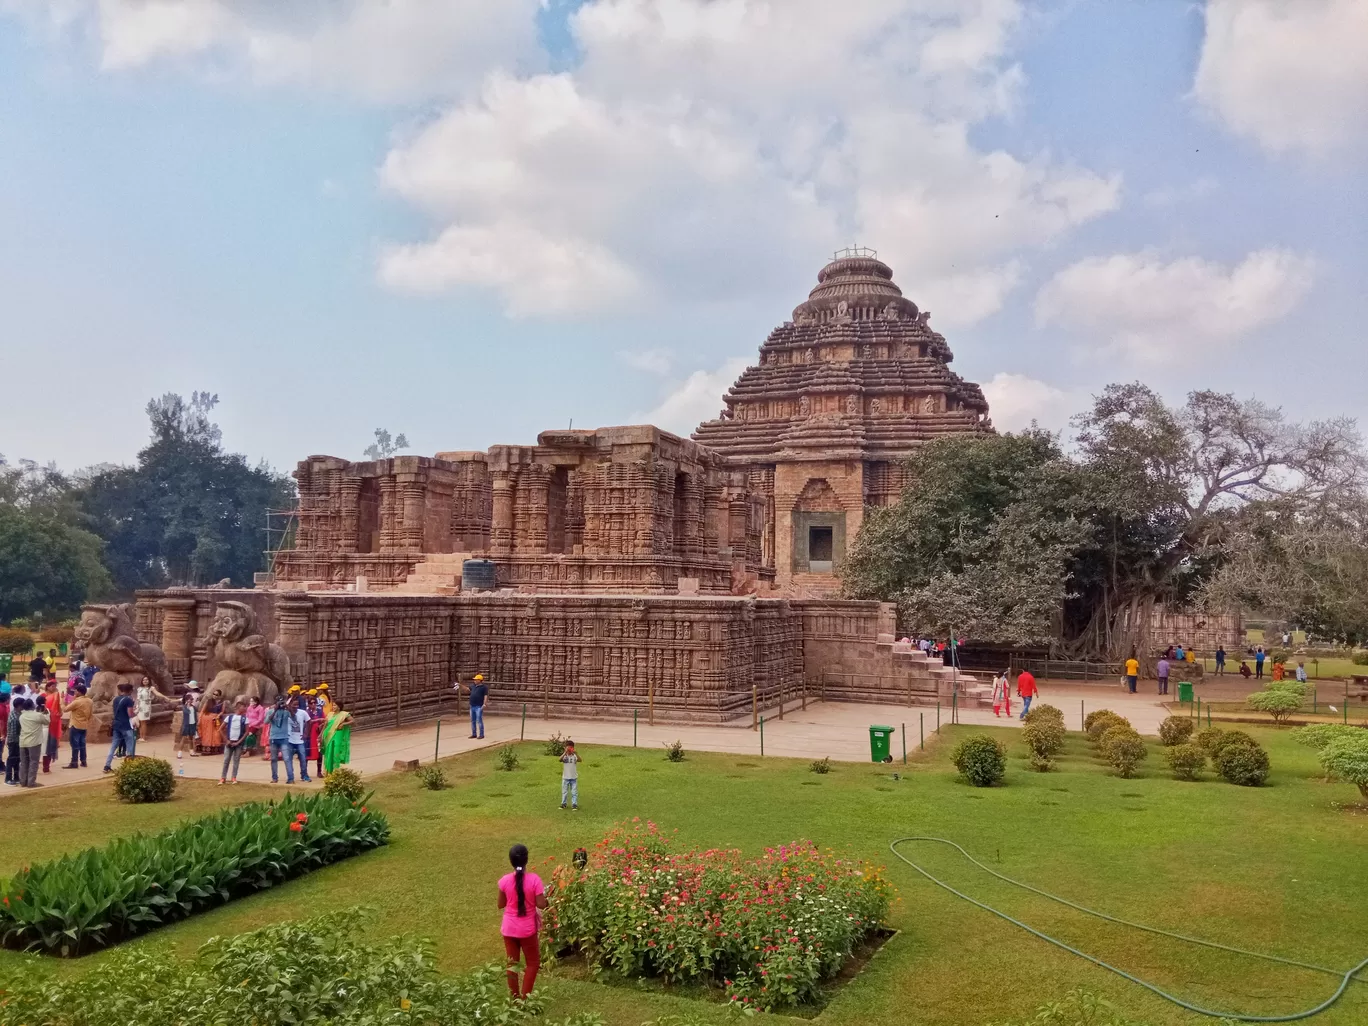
point(1345, 977)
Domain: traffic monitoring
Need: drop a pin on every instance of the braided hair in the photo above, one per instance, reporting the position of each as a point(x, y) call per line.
point(517, 856)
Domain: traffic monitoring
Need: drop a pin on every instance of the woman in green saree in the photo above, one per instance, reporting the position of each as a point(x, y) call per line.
point(336, 738)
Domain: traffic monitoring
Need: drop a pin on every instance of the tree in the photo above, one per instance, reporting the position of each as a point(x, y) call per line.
point(981, 545)
point(49, 563)
point(384, 447)
point(187, 513)
point(1347, 758)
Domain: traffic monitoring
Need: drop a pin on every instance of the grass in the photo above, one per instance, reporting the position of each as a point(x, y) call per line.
point(1276, 869)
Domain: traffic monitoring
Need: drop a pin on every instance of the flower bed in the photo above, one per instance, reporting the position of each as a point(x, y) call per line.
point(769, 929)
point(83, 902)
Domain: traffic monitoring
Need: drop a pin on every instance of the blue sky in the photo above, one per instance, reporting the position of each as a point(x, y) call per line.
point(471, 222)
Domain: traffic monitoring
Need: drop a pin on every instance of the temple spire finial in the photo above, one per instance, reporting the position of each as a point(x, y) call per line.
point(851, 252)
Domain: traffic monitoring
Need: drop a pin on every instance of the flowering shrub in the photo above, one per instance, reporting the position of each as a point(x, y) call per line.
point(769, 929)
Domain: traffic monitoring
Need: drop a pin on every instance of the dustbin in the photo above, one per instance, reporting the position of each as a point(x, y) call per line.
point(6, 662)
point(880, 741)
point(1185, 691)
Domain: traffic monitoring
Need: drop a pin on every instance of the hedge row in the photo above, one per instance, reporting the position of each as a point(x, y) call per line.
point(83, 902)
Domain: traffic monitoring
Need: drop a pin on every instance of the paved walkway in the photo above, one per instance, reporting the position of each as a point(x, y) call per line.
point(825, 729)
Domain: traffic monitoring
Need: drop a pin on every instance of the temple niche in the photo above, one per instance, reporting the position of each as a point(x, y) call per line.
point(838, 399)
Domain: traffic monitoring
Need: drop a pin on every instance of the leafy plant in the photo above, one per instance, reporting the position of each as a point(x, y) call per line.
point(15, 640)
point(1210, 739)
point(981, 760)
point(140, 780)
point(100, 896)
point(1045, 712)
point(555, 744)
point(1176, 730)
point(1078, 1007)
point(311, 971)
point(1041, 763)
point(1346, 757)
point(507, 759)
point(1242, 762)
point(675, 751)
point(432, 777)
point(1044, 737)
point(769, 929)
point(344, 783)
point(1102, 721)
point(1124, 749)
point(1186, 760)
point(822, 765)
point(1229, 737)
point(1278, 701)
point(1360, 657)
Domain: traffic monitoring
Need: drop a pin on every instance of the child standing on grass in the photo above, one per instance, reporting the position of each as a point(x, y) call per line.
point(570, 776)
point(522, 895)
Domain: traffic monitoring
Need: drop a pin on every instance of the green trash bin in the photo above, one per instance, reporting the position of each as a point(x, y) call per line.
point(6, 662)
point(1185, 691)
point(62, 648)
point(880, 743)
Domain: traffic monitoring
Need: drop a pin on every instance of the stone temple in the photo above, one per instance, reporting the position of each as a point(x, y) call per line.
point(694, 578)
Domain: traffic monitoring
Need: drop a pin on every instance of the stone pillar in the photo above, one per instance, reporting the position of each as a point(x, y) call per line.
point(178, 623)
point(501, 532)
point(390, 515)
point(412, 492)
point(530, 516)
point(349, 514)
point(293, 610)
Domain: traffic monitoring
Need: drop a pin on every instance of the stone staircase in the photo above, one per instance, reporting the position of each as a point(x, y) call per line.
point(897, 673)
point(438, 574)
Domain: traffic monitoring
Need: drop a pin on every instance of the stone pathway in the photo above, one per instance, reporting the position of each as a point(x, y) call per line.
point(825, 729)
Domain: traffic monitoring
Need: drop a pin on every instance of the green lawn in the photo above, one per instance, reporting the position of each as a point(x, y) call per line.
point(1278, 868)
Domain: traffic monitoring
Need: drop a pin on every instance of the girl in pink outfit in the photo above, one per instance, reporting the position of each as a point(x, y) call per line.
point(1002, 695)
point(521, 897)
point(256, 720)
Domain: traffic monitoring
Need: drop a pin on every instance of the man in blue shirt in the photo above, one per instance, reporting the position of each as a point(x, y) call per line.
point(278, 725)
point(479, 691)
point(121, 726)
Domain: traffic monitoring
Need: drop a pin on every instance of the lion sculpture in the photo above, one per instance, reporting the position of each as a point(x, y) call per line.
point(248, 664)
point(107, 640)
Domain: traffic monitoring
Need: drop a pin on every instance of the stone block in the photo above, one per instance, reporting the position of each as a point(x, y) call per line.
point(688, 586)
point(405, 765)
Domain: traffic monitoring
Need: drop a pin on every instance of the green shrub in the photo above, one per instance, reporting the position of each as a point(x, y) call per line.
point(1278, 701)
point(674, 752)
point(1346, 757)
point(344, 783)
point(432, 777)
point(1041, 763)
point(1186, 760)
point(1045, 712)
point(555, 744)
point(15, 640)
point(1242, 762)
point(1176, 730)
point(1078, 1007)
point(144, 780)
point(309, 971)
point(821, 765)
point(1318, 735)
point(57, 634)
point(1230, 737)
point(83, 902)
point(507, 759)
point(1360, 657)
point(1210, 739)
point(1103, 721)
point(1044, 738)
point(1124, 749)
point(1096, 715)
point(981, 760)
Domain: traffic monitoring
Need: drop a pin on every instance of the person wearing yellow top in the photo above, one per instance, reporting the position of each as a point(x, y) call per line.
point(1132, 673)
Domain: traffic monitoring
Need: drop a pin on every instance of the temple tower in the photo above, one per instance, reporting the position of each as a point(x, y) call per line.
point(824, 421)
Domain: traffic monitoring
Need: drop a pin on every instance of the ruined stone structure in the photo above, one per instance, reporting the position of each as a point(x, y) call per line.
point(822, 425)
point(619, 509)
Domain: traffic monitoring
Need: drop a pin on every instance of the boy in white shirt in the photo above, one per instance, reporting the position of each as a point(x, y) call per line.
point(570, 777)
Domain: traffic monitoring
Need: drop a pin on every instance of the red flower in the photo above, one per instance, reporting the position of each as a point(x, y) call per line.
point(363, 808)
point(303, 817)
point(297, 827)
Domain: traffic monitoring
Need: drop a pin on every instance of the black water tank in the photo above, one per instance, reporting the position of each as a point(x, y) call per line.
point(477, 575)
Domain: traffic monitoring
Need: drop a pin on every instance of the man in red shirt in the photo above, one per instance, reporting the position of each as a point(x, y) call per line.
point(1026, 688)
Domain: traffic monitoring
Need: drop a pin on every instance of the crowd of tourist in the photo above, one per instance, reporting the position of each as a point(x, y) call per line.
point(308, 726)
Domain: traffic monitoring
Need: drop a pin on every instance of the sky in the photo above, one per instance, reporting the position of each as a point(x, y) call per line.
point(471, 221)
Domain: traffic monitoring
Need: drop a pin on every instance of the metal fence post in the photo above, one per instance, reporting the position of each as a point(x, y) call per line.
point(437, 745)
point(634, 728)
point(904, 736)
point(1082, 716)
point(762, 737)
point(755, 706)
point(522, 731)
point(921, 730)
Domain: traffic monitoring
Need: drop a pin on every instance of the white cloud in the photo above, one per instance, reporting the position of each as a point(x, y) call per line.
point(1178, 195)
point(720, 148)
point(1015, 400)
point(384, 50)
point(650, 361)
point(1290, 74)
point(695, 399)
point(1139, 306)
